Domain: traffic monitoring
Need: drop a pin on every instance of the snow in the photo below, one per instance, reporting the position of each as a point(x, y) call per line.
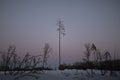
point(67, 75)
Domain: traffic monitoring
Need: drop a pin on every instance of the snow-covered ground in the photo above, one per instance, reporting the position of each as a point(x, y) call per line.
point(67, 75)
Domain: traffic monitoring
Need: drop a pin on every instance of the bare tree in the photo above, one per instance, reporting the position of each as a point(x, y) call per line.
point(87, 59)
point(46, 51)
point(99, 61)
point(28, 67)
point(87, 52)
point(61, 31)
point(13, 65)
point(107, 62)
point(91, 48)
point(94, 49)
point(107, 56)
point(8, 59)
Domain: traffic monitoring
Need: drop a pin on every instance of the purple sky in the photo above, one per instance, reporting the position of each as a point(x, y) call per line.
point(29, 24)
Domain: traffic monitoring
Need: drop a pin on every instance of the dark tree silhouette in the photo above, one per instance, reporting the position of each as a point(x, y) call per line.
point(46, 52)
point(87, 52)
point(94, 49)
point(107, 56)
point(61, 31)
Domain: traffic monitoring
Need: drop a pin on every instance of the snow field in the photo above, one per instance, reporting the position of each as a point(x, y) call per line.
point(67, 75)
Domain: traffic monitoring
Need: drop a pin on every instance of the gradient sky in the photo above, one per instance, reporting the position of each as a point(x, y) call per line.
point(29, 24)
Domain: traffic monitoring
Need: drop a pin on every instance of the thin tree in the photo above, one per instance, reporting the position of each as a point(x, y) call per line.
point(87, 52)
point(94, 49)
point(107, 56)
point(61, 31)
point(87, 59)
point(46, 51)
point(107, 62)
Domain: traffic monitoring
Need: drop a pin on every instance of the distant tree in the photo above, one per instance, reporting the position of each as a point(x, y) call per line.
point(46, 51)
point(99, 62)
point(61, 31)
point(8, 59)
point(107, 56)
point(91, 48)
point(87, 52)
point(94, 49)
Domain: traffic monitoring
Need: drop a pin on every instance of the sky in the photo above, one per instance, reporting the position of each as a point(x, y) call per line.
point(29, 24)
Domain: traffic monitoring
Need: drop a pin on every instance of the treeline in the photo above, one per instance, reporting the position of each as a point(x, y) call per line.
point(104, 65)
point(26, 69)
point(29, 65)
point(95, 59)
point(11, 61)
